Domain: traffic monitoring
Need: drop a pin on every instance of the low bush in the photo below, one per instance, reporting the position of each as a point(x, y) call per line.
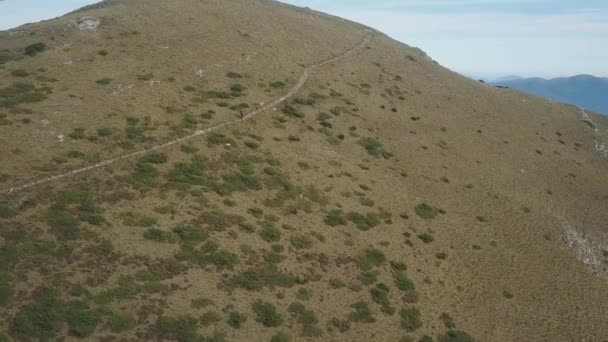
point(236, 320)
point(34, 49)
point(267, 314)
point(410, 319)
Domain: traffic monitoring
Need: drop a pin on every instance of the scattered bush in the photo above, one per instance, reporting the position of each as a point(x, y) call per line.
point(267, 314)
point(121, 321)
point(210, 317)
point(374, 147)
point(270, 233)
point(410, 319)
point(370, 258)
point(426, 238)
point(406, 285)
point(104, 81)
point(364, 222)
point(34, 49)
point(307, 318)
point(159, 235)
point(341, 324)
point(277, 84)
point(455, 336)
point(300, 241)
point(181, 329)
point(41, 320)
point(20, 73)
point(362, 313)
point(236, 319)
point(427, 212)
point(380, 296)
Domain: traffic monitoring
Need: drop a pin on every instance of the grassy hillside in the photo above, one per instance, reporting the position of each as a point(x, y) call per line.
point(384, 198)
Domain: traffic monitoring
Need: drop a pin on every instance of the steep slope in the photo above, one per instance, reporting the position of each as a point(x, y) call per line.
point(378, 197)
point(583, 90)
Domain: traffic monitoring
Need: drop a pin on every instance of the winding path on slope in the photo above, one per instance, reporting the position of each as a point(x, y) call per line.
point(301, 81)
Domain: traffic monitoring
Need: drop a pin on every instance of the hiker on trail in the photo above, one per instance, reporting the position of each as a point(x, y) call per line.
point(242, 113)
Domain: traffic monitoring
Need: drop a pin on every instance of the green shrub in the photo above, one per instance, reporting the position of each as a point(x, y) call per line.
point(154, 158)
point(292, 111)
point(410, 319)
point(380, 296)
point(34, 49)
point(181, 329)
point(159, 235)
point(336, 283)
point(20, 73)
point(236, 319)
point(368, 277)
point(277, 84)
point(234, 75)
point(255, 279)
point(406, 285)
point(304, 294)
point(6, 289)
point(270, 233)
point(63, 224)
point(426, 212)
point(300, 241)
point(455, 336)
point(374, 147)
point(210, 317)
point(18, 93)
point(103, 53)
point(307, 318)
point(267, 314)
point(252, 145)
point(364, 222)
point(104, 81)
point(121, 321)
point(137, 220)
point(426, 238)
point(81, 320)
point(215, 138)
point(41, 320)
point(362, 313)
point(335, 218)
point(237, 88)
point(342, 325)
point(370, 258)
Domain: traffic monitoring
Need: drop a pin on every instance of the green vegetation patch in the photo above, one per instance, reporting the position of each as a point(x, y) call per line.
point(427, 212)
point(177, 328)
point(34, 49)
point(306, 317)
point(19, 93)
point(267, 314)
point(362, 313)
point(335, 218)
point(257, 278)
point(370, 258)
point(364, 222)
point(374, 147)
point(410, 319)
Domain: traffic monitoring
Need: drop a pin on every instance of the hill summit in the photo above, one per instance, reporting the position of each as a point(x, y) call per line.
point(247, 170)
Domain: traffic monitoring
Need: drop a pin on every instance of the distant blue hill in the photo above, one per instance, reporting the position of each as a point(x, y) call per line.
point(587, 91)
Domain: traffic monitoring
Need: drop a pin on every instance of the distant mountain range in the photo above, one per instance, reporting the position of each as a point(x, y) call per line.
point(587, 91)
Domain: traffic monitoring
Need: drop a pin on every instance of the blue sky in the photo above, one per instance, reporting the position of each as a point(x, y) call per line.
point(482, 38)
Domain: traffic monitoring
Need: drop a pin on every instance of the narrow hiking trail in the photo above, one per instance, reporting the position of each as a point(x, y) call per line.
point(301, 81)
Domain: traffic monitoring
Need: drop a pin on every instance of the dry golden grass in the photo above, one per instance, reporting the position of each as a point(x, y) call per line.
point(391, 200)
